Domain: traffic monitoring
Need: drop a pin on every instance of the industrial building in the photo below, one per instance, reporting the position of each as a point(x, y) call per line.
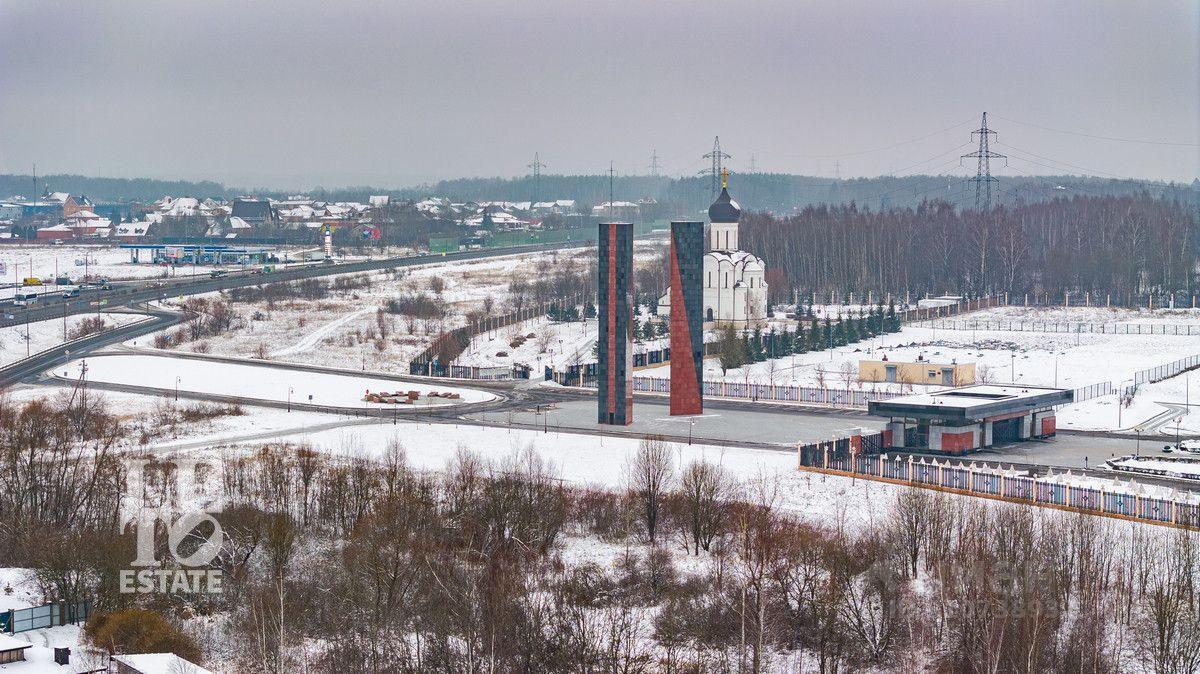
point(966, 419)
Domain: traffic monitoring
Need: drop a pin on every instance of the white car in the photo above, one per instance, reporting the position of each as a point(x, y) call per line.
point(1190, 446)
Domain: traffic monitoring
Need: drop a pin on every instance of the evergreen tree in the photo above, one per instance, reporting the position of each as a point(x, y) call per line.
point(756, 345)
point(893, 321)
point(800, 342)
point(849, 329)
point(589, 310)
point(731, 351)
point(819, 336)
point(839, 332)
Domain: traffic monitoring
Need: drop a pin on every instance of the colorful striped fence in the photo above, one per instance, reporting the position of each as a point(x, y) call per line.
point(1148, 503)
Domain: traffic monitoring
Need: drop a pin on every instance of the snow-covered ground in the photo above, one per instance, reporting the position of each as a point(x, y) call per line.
point(255, 381)
point(1187, 467)
point(555, 344)
point(18, 589)
point(600, 461)
point(1037, 359)
point(343, 329)
point(20, 341)
point(107, 261)
point(1082, 314)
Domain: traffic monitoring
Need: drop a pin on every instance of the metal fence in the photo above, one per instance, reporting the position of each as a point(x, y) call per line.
point(766, 392)
point(983, 480)
point(454, 342)
point(1069, 327)
point(1094, 391)
point(48, 615)
point(1161, 372)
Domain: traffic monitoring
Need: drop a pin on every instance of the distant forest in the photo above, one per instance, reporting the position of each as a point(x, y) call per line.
point(677, 197)
point(1129, 246)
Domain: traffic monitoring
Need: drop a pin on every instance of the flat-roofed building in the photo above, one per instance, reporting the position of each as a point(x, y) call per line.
point(918, 372)
point(966, 419)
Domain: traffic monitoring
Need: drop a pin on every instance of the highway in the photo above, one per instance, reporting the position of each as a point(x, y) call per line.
point(776, 426)
point(126, 293)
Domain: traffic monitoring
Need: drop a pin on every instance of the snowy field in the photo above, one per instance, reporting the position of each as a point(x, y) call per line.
point(344, 329)
point(255, 381)
point(552, 343)
point(1081, 314)
point(1036, 359)
point(600, 461)
point(107, 261)
point(20, 341)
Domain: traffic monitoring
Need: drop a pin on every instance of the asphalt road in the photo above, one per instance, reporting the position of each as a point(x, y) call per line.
point(125, 293)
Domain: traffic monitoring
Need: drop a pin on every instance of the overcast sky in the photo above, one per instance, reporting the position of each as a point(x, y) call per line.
point(296, 94)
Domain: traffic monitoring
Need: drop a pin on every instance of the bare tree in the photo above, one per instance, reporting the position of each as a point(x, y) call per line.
point(649, 476)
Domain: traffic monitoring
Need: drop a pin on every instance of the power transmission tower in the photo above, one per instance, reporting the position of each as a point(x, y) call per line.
point(654, 167)
point(983, 179)
point(717, 157)
point(611, 172)
point(753, 164)
point(537, 167)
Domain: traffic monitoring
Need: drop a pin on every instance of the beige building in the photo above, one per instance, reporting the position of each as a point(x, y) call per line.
point(921, 372)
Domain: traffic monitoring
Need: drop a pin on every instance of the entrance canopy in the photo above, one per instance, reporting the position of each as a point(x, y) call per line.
point(972, 403)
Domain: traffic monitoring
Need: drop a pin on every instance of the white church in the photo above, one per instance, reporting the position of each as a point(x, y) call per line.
point(734, 287)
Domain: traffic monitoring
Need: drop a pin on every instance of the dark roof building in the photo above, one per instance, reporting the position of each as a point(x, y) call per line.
point(253, 211)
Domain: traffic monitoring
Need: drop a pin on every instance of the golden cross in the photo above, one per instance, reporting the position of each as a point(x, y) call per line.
point(724, 178)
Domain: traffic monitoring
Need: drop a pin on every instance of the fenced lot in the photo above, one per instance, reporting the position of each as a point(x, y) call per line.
point(20, 620)
point(1068, 327)
point(1146, 503)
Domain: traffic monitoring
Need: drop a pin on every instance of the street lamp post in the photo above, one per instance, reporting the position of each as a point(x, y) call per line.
point(290, 389)
point(691, 424)
point(177, 389)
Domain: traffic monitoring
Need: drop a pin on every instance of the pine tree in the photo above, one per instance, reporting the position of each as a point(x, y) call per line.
point(893, 321)
point(849, 329)
point(756, 345)
point(819, 337)
point(839, 333)
point(800, 341)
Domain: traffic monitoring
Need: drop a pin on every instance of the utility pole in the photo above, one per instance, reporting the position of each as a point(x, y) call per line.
point(654, 167)
point(717, 157)
point(983, 179)
point(610, 189)
point(537, 167)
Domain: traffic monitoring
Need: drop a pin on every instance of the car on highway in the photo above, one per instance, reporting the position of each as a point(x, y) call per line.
point(217, 273)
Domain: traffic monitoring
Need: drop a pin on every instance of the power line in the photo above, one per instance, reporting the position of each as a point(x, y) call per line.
point(1099, 137)
point(717, 157)
point(983, 179)
point(862, 152)
point(537, 167)
point(1079, 168)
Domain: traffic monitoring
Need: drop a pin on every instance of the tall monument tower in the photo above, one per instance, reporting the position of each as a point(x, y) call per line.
point(687, 317)
point(614, 368)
